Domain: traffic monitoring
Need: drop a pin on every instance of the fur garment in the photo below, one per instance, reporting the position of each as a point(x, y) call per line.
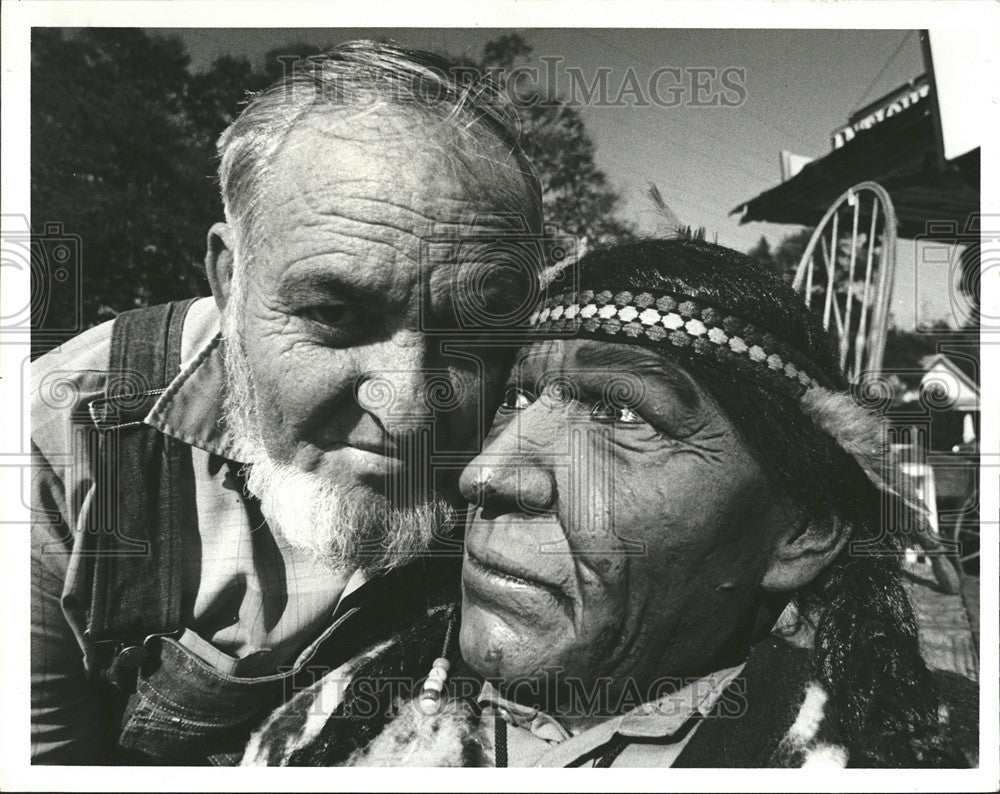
point(452, 737)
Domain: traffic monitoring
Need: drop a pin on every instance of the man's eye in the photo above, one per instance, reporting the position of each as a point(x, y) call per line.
point(515, 399)
point(602, 412)
point(334, 314)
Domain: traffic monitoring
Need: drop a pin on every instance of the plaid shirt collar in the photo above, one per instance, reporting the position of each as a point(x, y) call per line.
point(191, 409)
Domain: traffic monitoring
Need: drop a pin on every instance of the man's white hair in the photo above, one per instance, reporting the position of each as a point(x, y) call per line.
point(359, 76)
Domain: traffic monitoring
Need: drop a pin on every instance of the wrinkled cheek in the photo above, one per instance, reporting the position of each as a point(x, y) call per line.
point(297, 396)
point(594, 525)
point(598, 502)
point(277, 409)
point(609, 592)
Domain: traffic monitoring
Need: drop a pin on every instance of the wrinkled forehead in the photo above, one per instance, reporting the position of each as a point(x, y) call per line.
point(397, 158)
point(378, 205)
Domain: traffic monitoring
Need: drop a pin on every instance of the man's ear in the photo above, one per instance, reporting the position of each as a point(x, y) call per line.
point(803, 551)
point(219, 263)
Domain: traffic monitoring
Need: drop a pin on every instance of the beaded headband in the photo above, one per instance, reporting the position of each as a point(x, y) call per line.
point(683, 323)
point(673, 321)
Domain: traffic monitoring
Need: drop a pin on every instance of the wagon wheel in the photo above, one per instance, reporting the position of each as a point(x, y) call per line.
point(851, 275)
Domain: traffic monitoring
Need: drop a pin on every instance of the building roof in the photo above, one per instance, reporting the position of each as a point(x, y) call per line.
point(899, 153)
point(961, 368)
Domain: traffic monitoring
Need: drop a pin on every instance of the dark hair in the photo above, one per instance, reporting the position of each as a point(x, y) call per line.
point(866, 652)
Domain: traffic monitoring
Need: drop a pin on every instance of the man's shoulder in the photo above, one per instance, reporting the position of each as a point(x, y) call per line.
point(776, 713)
point(63, 381)
point(88, 350)
point(67, 378)
point(752, 716)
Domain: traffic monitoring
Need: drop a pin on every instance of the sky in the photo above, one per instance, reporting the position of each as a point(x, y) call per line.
point(797, 86)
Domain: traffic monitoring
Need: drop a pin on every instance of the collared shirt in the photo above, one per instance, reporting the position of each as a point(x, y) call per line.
point(661, 728)
point(250, 602)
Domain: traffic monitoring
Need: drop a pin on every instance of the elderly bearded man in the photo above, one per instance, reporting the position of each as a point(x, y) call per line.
point(172, 600)
point(676, 459)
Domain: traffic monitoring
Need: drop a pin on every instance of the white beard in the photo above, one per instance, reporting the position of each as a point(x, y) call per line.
point(342, 527)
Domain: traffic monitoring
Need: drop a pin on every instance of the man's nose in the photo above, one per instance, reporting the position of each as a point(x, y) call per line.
point(398, 383)
point(512, 475)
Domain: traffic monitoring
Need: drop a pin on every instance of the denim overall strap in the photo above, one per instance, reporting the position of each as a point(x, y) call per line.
point(144, 491)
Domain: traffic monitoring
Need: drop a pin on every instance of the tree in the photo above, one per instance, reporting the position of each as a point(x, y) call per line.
point(784, 259)
point(117, 160)
point(761, 252)
point(577, 195)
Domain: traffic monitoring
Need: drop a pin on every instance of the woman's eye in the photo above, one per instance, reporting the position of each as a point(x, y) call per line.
point(336, 314)
point(602, 412)
point(515, 399)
